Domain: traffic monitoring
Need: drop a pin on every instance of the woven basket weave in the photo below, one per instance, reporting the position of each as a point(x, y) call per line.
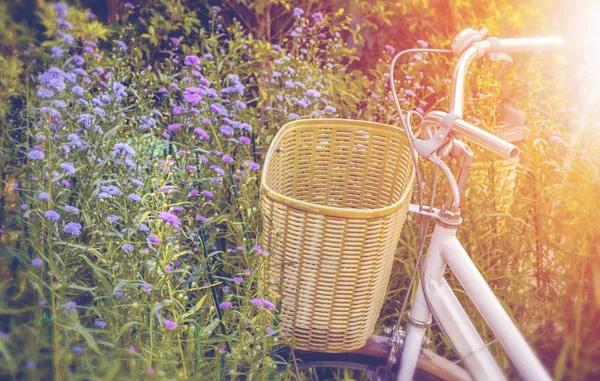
point(335, 195)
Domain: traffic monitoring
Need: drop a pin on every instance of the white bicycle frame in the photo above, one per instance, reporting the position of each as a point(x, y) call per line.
point(445, 249)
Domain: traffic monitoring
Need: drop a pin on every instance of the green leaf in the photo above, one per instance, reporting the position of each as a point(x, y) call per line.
point(86, 335)
point(126, 327)
point(160, 305)
point(194, 309)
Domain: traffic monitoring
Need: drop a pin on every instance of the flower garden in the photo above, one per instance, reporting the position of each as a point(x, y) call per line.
point(131, 152)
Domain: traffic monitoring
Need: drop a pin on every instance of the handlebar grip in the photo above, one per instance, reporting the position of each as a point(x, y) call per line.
point(486, 140)
point(477, 135)
point(507, 45)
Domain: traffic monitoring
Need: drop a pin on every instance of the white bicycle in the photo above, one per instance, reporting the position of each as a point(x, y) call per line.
point(401, 356)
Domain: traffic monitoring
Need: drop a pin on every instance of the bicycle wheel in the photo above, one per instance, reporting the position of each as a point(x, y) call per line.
point(344, 366)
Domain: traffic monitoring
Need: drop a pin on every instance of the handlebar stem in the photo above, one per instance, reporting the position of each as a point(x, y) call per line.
point(457, 94)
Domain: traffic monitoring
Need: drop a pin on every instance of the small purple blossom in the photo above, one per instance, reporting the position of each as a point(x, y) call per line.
point(135, 197)
point(44, 196)
point(77, 349)
point(100, 324)
point(153, 239)
point(37, 262)
point(68, 168)
point(121, 45)
point(170, 219)
point(36, 154)
point(56, 52)
point(112, 219)
point(123, 149)
point(227, 159)
point(238, 280)
point(73, 228)
point(69, 306)
point(191, 60)
point(257, 302)
point(225, 305)
point(169, 324)
point(127, 247)
point(245, 140)
point(61, 9)
point(298, 12)
point(208, 194)
point(52, 215)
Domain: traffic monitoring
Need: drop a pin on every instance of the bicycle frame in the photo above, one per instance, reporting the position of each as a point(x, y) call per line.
point(445, 249)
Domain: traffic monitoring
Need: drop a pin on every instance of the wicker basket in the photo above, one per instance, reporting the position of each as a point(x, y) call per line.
point(335, 194)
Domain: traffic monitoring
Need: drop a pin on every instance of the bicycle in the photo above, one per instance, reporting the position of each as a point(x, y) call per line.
point(401, 356)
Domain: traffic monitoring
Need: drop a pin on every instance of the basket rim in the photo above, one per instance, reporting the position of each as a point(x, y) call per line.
point(330, 210)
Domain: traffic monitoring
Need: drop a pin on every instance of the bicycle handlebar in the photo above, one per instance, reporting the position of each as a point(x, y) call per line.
point(480, 137)
point(509, 45)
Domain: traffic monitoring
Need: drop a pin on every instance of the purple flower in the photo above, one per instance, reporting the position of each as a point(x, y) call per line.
point(170, 219)
point(68, 39)
point(73, 228)
point(245, 140)
point(298, 12)
point(193, 95)
point(257, 302)
point(112, 219)
point(174, 41)
point(111, 190)
point(238, 280)
point(72, 209)
point(153, 239)
point(330, 109)
point(135, 197)
point(70, 305)
point(128, 5)
point(268, 304)
point(253, 166)
point(36, 154)
point(208, 194)
point(136, 182)
point(44, 196)
point(122, 45)
point(37, 262)
point(174, 127)
point(123, 149)
point(52, 215)
point(200, 218)
point(78, 90)
point(77, 350)
point(177, 110)
point(127, 247)
point(409, 92)
point(225, 305)
point(422, 43)
point(191, 60)
point(68, 168)
point(312, 93)
point(201, 133)
point(317, 16)
point(269, 329)
point(45, 93)
point(169, 324)
point(61, 9)
point(56, 52)
point(100, 324)
point(227, 159)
